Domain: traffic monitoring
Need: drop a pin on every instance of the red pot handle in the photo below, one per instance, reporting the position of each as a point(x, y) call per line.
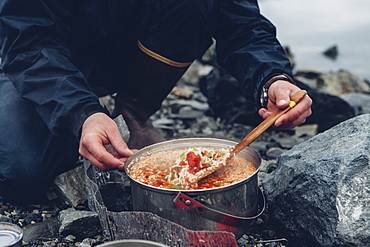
point(186, 202)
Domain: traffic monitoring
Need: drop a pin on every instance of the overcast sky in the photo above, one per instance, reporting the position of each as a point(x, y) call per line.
point(310, 27)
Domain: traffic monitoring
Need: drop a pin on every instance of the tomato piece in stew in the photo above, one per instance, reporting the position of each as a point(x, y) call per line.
point(193, 162)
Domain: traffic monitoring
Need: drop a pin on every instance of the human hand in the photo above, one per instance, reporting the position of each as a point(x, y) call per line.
point(98, 132)
point(279, 95)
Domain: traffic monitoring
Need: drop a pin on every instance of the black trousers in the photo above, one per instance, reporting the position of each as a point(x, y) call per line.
point(30, 156)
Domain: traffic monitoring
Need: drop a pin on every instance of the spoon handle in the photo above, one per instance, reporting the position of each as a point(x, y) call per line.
point(256, 132)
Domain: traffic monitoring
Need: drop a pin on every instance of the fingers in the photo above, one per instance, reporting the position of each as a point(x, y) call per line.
point(264, 113)
point(295, 116)
point(103, 159)
point(92, 149)
point(98, 132)
point(279, 98)
point(119, 145)
point(282, 98)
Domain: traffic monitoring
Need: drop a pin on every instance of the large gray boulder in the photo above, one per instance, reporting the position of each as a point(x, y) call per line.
point(319, 194)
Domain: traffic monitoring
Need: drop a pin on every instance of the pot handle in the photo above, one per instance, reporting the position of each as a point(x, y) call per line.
point(187, 202)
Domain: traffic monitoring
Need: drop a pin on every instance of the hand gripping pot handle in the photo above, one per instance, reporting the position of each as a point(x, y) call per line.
point(187, 202)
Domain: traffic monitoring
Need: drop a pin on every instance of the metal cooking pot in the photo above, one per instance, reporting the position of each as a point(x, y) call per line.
point(231, 208)
point(11, 235)
point(132, 243)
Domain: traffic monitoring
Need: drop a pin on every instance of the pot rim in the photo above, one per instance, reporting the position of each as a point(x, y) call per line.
point(179, 143)
point(14, 231)
point(126, 242)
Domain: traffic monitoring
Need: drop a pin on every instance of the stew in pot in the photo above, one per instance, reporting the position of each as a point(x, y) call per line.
point(179, 168)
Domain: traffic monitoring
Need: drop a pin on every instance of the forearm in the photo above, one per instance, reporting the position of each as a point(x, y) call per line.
point(247, 46)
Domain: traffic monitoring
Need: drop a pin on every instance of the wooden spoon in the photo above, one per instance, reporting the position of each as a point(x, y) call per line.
point(256, 132)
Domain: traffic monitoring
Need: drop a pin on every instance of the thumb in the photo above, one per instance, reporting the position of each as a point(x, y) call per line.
point(282, 103)
point(118, 143)
point(282, 98)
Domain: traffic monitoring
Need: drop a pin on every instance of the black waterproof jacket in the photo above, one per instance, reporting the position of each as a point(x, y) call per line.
point(56, 51)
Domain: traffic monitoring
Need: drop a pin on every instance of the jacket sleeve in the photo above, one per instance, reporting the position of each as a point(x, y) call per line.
point(35, 57)
point(247, 46)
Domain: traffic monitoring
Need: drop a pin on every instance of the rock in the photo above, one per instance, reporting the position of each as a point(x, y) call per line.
point(274, 152)
point(319, 193)
point(284, 140)
point(267, 166)
point(306, 131)
point(183, 92)
point(81, 224)
point(88, 242)
point(4, 218)
point(45, 229)
point(196, 105)
point(71, 186)
point(162, 122)
point(122, 127)
point(187, 112)
point(259, 146)
point(327, 110)
point(70, 238)
point(107, 101)
point(342, 82)
point(308, 77)
point(204, 127)
point(359, 101)
point(195, 71)
point(331, 52)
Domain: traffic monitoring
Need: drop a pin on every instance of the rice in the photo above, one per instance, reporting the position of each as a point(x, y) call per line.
point(156, 169)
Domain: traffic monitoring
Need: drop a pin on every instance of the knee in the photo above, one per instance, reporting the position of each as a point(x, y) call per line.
point(26, 169)
point(23, 181)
